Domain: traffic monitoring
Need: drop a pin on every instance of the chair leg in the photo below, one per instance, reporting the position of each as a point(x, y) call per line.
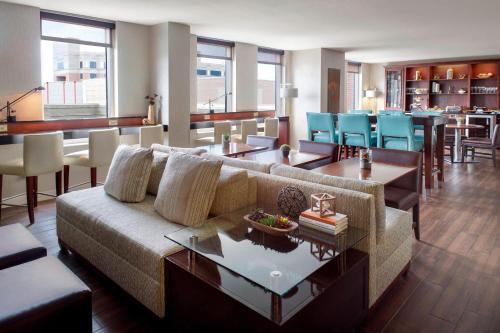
point(66, 178)
point(58, 183)
point(35, 191)
point(473, 153)
point(93, 177)
point(416, 220)
point(30, 184)
point(494, 156)
point(353, 151)
point(346, 152)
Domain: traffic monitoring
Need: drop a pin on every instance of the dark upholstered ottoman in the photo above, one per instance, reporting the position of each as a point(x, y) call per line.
point(18, 245)
point(44, 296)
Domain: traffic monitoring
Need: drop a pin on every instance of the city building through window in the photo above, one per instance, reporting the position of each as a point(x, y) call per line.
point(214, 67)
point(269, 79)
point(71, 49)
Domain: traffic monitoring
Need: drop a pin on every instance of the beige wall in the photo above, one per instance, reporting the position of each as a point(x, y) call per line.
point(332, 59)
point(131, 69)
point(20, 68)
point(244, 77)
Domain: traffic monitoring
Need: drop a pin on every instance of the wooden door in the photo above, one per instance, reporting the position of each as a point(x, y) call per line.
point(333, 105)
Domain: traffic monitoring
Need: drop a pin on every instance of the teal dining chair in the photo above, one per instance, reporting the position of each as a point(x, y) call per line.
point(355, 131)
point(397, 133)
point(361, 111)
point(321, 127)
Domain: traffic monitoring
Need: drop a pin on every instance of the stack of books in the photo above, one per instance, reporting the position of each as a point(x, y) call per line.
point(329, 224)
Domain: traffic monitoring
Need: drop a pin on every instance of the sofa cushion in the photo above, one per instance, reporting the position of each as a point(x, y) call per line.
point(128, 174)
point(157, 168)
point(370, 187)
point(232, 191)
point(168, 149)
point(398, 228)
point(187, 189)
point(242, 164)
point(133, 231)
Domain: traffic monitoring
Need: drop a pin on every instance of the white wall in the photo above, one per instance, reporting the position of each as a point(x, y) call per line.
point(332, 59)
point(193, 79)
point(158, 68)
point(377, 80)
point(305, 73)
point(244, 77)
point(131, 69)
point(20, 68)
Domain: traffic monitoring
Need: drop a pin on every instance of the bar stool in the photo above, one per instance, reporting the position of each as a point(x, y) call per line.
point(248, 127)
point(102, 146)
point(271, 127)
point(321, 127)
point(397, 133)
point(149, 135)
point(42, 154)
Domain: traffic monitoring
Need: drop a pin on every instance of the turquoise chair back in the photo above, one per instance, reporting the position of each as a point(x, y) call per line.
point(396, 133)
point(323, 122)
point(354, 124)
point(360, 111)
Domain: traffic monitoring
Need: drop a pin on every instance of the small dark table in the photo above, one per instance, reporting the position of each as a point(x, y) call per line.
point(295, 159)
point(233, 277)
point(234, 150)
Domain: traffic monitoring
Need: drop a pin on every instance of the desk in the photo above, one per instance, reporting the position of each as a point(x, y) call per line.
point(380, 172)
point(431, 150)
point(295, 158)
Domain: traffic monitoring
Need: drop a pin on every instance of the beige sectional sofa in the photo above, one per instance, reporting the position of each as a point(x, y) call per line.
point(126, 241)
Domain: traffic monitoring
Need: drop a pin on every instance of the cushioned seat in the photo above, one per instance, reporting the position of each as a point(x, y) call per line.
point(80, 158)
point(398, 228)
point(399, 197)
point(402, 144)
point(359, 141)
point(18, 245)
point(106, 220)
point(324, 137)
point(12, 167)
point(44, 296)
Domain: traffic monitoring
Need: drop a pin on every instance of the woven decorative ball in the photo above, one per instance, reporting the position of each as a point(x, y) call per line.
point(291, 201)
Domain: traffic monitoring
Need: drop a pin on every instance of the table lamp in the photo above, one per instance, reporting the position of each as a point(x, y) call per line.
point(10, 117)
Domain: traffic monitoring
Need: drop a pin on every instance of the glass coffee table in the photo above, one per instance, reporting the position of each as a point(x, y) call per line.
point(276, 277)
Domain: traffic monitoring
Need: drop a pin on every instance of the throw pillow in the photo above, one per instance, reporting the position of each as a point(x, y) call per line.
point(157, 169)
point(128, 174)
point(232, 191)
point(168, 149)
point(187, 189)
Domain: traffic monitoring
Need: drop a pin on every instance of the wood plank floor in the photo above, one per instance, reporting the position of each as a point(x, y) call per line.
point(453, 284)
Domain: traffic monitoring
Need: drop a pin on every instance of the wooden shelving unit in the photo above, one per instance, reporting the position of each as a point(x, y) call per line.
point(428, 75)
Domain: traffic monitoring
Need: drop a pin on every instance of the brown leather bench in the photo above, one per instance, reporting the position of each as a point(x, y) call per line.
point(43, 296)
point(18, 245)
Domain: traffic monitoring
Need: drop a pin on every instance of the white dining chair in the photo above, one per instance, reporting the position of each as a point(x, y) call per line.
point(248, 127)
point(151, 134)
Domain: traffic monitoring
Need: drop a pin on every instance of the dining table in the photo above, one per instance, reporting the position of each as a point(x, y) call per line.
point(384, 173)
point(433, 126)
point(294, 159)
point(457, 149)
point(234, 149)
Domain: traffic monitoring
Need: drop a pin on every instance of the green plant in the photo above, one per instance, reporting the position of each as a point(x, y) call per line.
point(226, 136)
point(269, 221)
point(285, 148)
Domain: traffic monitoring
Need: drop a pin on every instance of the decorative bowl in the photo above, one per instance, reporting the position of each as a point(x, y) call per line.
point(484, 75)
point(271, 230)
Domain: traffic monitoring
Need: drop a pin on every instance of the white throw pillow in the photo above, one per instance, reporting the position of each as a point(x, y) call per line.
point(157, 169)
point(187, 189)
point(128, 174)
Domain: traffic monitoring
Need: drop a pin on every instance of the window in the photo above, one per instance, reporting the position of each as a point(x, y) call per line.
point(214, 90)
point(353, 86)
point(68, 44)
point(268, 79)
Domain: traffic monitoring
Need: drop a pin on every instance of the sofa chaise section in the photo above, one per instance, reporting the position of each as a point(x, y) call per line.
point(124, 241)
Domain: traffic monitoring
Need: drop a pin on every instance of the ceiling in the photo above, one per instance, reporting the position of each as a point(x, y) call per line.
point(373, 31)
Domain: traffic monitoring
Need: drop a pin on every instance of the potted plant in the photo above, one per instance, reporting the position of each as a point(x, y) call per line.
point(285, 150)
point(226, 139)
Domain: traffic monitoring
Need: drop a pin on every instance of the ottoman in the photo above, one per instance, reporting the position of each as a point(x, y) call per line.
point(18, 245)
point(44, 296)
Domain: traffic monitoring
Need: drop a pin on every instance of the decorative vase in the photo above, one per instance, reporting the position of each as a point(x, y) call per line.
point(418, 76)
point(365, 159)
point(151, 114)
point(449, 74)
point(225, 142)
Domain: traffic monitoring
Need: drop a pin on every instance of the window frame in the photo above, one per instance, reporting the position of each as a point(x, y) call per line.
point(357, 91)
point(228, 77)
point(85, 21)
point(278, 74)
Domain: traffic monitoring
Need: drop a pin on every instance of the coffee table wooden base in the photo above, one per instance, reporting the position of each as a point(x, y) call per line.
point(201, 294)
